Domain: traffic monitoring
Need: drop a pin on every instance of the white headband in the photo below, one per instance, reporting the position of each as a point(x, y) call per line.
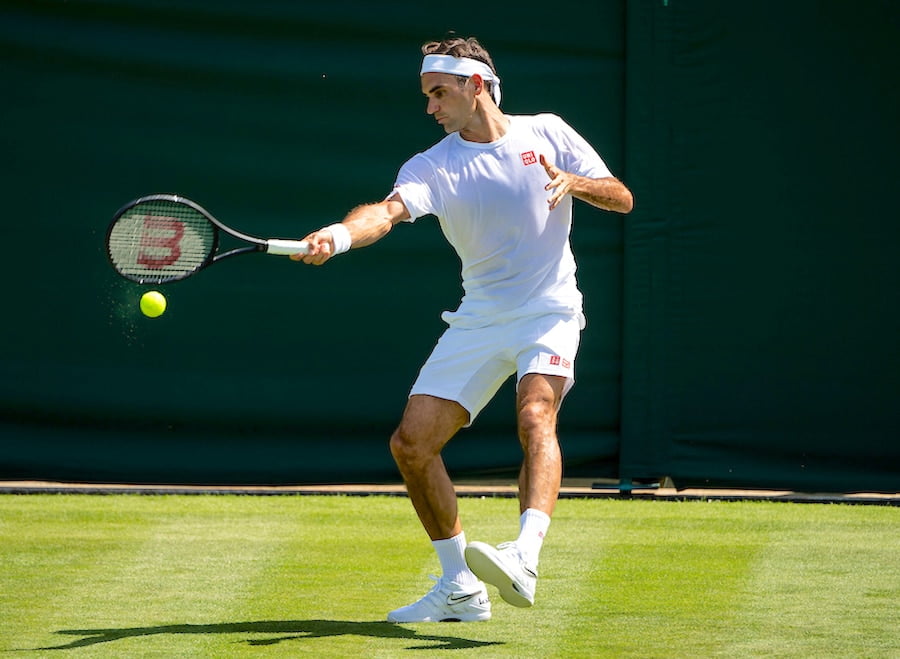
point(462, 66)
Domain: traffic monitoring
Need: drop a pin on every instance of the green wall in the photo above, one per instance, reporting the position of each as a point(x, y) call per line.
point(743, 321)
point(278, 117)
point(762, 320)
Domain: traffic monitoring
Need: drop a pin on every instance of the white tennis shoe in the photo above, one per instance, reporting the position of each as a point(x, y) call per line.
point(505, 568)
point(447, 602)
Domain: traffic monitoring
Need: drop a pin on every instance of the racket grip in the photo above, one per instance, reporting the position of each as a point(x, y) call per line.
point(286, 247)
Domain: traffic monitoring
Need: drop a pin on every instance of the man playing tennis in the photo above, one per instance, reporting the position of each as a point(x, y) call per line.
point(501, 187)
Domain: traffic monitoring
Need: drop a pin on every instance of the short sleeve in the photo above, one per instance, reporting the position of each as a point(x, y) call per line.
point(577, 156)
point(416, 186)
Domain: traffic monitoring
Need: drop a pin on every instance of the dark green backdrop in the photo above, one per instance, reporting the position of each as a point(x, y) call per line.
point(743, 321)
point(762, 316)
point(279, 117)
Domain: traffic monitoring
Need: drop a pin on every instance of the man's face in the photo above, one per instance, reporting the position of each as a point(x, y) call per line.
point(451, 104)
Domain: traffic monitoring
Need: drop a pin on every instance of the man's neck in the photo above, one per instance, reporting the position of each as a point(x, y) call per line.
point(488, 124)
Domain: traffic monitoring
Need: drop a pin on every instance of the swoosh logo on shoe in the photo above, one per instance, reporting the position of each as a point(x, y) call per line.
point(458, 598)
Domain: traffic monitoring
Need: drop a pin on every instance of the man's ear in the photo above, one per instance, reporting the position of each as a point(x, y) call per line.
point(478, 81)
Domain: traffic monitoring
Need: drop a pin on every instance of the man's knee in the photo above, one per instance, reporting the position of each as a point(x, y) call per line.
point(427, 424)
point(537, 418)
point(538, 403)
point(404, 445)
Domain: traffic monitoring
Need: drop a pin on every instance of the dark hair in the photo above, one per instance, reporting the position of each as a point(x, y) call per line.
point(459, 47)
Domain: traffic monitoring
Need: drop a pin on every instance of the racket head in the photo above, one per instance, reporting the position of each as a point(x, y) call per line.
point(161, 238)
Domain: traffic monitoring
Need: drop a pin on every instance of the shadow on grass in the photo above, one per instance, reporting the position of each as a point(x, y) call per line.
point(277, 631)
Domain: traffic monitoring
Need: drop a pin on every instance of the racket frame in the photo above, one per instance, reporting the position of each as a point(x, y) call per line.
point(255, 244)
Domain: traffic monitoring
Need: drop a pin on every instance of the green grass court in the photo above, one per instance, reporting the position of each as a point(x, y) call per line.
point(233, 576)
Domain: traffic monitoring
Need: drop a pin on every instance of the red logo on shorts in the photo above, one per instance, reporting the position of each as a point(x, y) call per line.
point(528, 158)
point(556, 360)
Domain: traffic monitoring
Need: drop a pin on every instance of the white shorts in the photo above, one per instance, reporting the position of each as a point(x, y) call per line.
point(469, 365)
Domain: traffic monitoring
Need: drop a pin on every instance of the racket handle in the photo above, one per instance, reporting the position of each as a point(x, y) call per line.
point(286, 247)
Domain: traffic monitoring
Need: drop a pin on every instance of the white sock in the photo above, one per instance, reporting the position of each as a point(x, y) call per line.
point(451, 554)
point(533, 525)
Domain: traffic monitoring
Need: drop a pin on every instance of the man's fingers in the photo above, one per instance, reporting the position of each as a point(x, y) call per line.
point(321, 254)
point(320, 249)
point(551, 170)
point(560, 182)
point(561, 185)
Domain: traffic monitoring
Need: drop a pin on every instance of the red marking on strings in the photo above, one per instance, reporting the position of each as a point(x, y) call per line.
point(151, 239)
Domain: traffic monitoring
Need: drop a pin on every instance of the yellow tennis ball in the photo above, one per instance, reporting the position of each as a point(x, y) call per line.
point(153, 304)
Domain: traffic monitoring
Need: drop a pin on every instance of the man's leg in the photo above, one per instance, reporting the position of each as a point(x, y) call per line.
point(512, 567)
point(537, 405)
point(428, 423)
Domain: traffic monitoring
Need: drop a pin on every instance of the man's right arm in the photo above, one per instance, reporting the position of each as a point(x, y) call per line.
point(365, 225)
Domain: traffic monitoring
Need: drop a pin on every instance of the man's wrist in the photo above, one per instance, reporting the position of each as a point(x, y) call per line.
point(340, 236)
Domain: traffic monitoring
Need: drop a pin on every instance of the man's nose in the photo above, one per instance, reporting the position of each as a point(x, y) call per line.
point(431, 106)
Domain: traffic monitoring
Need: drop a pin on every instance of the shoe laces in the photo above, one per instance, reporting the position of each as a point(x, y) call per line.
point(439, 585)
point(513, 548)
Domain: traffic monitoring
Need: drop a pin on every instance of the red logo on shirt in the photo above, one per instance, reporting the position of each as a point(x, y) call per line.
point(556, 360)
point(528, 158)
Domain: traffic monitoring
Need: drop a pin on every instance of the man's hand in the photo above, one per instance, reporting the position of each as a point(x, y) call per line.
point(608, 193)
point(321, 248)
point(560, 181)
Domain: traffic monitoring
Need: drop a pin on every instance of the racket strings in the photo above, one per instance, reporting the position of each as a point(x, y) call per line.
point(160, 240)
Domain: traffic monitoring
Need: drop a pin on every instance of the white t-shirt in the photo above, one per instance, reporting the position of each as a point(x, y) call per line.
point(492, 207)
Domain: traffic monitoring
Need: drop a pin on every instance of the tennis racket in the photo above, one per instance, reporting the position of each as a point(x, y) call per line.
point(163, 238)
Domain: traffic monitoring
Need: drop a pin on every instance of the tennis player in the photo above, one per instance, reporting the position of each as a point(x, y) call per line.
point(501, 187)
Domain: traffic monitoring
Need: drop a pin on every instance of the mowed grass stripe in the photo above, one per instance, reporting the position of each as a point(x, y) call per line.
point(175, 563)
point(349, 562)
point(661, 574)
point(340, 559)
point(77, 546)
point(569, 551)
point(201, 562)
point(818, 592)
point(569, 586)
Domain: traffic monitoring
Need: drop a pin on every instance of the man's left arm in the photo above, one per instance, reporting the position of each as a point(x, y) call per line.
point(608, 193)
